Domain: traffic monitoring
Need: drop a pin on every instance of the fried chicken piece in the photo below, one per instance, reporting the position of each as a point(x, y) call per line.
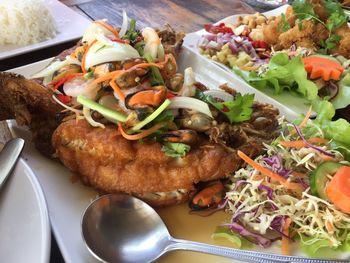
point(110, 163)
point(300, 37)
point(30, 104)
point(319, 9)
point(271, 31)
point(343, 47)
point(290, 16)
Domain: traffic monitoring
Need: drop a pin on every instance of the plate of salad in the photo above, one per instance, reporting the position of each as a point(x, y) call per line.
point(295, 54)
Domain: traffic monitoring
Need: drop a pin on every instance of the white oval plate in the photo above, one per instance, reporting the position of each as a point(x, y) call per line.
point(25, 234)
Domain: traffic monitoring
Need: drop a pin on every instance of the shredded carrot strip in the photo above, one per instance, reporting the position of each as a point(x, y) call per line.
point(108, 27)
point(117, 89)
point(141, 135)
point(304, 121)
point(84, 56)
point(297, 174)
point(292, 186)
point(300, 143)
point(109, 76)
point(146, 65)
point(59, 82)
point(326, 157)
point(285, 240)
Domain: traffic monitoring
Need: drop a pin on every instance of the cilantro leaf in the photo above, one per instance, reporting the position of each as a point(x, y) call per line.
point(303, 9)
point(237, 110)
point(283, 25)
point(173, 149)
point(336, 15)
point(165, 116)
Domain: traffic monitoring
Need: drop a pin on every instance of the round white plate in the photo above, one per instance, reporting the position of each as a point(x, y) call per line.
point(24, 223)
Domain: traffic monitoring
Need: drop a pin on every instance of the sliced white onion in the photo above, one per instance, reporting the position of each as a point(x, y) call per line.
point(99, 53)
point(73, 60)
point(188, 89)
point(50, 69)
point(65, 106)
point(190, 103)
point(161, 52)
point(152, 41)
point(89, 119)
point(47, 79)
point(80, 86)
point(121, 103)
point(220, 94)
point(90, 32)
point(124, 27)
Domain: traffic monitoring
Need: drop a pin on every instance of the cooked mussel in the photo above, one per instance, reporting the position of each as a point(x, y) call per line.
point(180, 136)
point(176, 82)
point(131, 78)
point(103, 69)
point(170, 67)
point(138, 114)
point(196, 121)
point(209, 196)
point(147, 97)
point(65, 70)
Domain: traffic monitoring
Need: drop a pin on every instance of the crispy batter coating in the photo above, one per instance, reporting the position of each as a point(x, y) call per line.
point(300, 37)
point(343, 47)
point(271, 31)
point(110, 163)
point(30, 104)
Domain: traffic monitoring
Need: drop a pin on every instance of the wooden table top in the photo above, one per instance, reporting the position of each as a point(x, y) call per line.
point(183, 15)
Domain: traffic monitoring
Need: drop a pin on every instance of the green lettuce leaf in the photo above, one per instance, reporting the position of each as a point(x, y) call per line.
point(173, 149)
point(283, 73)
point(343, 97)
point(338, 130)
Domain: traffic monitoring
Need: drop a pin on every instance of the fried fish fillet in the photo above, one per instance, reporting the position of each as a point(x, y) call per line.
point(110, 163)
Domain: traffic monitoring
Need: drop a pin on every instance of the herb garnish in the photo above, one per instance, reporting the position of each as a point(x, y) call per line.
point(237, 110)
point(174, 149)
point(336, 18)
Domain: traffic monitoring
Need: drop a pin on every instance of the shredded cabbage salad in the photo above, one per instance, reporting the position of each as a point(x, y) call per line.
point(260, 206)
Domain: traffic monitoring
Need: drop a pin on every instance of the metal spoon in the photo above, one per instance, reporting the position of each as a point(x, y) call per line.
point(122, 228)
point(8, 158)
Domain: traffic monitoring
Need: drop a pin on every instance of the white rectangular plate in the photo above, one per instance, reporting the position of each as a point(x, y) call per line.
point(70, 26)
point(67, 200)
point(292, 101)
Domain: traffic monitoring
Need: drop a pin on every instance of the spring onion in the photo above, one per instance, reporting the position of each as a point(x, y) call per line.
point(151, 117)
point(107, 112)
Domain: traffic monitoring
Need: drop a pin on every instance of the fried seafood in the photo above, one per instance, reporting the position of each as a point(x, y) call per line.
point(110, 163)
point(115, 111)
point(308, 33)
point(30, 104)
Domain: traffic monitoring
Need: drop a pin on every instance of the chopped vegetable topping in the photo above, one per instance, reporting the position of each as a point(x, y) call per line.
point(173, 149)
point(321, 67)
point(338, 190)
